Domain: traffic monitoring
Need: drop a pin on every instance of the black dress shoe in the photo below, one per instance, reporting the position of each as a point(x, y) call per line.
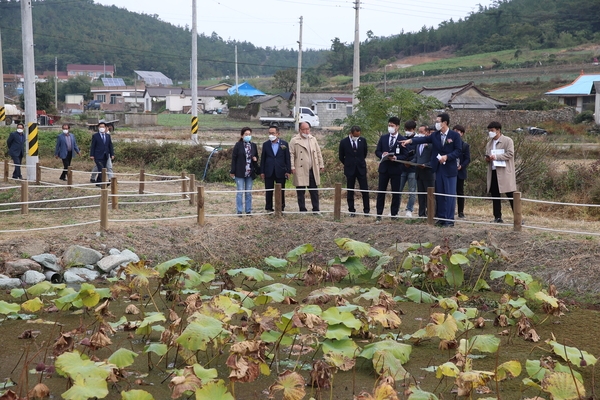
point(498, 220)
point(63, 179)
point(461, 215)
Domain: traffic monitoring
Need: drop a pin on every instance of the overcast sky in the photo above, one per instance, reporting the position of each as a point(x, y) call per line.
point(275, 23)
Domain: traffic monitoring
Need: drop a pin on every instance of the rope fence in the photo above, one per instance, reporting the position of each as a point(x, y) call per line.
point(110, 196)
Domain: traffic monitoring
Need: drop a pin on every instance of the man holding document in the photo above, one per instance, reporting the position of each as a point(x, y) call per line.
point(499, 154)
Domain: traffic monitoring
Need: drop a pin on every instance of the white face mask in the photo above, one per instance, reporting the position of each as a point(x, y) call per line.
point(305, 135)
point(438, 126)
point(272, 138)
point(20, 130)
point(101, 130)
point(492, 134)
point(65, 131)
point(391, 130)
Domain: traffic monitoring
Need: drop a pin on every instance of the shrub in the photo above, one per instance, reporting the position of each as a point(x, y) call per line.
point(585, 116)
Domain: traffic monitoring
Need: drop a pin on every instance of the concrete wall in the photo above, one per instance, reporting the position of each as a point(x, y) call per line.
point(508, 118)
point(327, 117)
point(133, 119)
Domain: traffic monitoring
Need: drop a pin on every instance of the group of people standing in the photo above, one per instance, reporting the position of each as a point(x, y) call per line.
point(423, 157)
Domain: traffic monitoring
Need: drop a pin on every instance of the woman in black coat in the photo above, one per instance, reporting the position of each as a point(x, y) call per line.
point(244, 164)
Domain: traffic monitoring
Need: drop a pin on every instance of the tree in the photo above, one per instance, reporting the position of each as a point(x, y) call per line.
point(77, 85)
point(235, 101)
point(285, 79)
point(44, 97)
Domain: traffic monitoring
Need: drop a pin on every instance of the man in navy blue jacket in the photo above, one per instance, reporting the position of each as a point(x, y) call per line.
point(352, 153)
point(465, 160)
point(16, 149)
point(66, 145)
point(275, 166)
point(101, 150)
point(446, 149)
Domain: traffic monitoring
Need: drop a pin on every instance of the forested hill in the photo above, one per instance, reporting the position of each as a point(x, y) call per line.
point(81, 32)
point(516, 24)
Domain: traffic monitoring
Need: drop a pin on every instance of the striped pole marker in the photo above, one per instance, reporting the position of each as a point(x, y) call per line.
point(2, 113)
point(194, 125)
point(33, 139)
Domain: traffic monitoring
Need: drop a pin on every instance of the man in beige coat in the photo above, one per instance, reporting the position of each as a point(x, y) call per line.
point(500, 156)
point(307, 164)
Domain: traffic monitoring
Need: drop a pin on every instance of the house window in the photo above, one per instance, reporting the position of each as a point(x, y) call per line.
point(589, 103)
point(331, 106)
point(571, 101)
point(349, 109)
point(101, 98)
point(113, 98)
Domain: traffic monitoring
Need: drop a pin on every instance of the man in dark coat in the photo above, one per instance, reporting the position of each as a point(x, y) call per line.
point(464, 161)
point(275, 166)
point(101, 150)
point(16, 149)
point(352, 154)
point(423, 173)
point(66, 145)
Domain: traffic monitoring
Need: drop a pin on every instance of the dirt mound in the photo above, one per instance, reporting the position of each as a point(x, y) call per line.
point(423, 58)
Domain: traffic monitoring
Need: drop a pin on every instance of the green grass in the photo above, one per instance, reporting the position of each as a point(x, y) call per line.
point(207, 121)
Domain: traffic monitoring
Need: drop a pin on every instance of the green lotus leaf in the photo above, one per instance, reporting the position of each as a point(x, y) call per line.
point(75, 364)
point(360, 249)
point(88, 295)
point(334, 316)
point(200, 332)
point(145, 326)
point(458, 259)
point(294, 254)
point(345, 347)
point(400, 351)
point(277, 292)
point(122, 358)
point(17, 292)
point(449, 304)
point(156, 348)
point(386, 364)
point(447, 369)
point(41, 288)
point(213, 391)
point(508, 369)
point(276, 262)
point(419, 296)
point(353, 264)
point(311, 309)
point(535, 370)
point(529, 382)
point(205, 375)
point(251, 272)
point(509, 276)
point(372, 294)
point(32, 305)
point(454, 275)
point(524, 310)
point(484, 343)
point(179, 264)
point(561, 385)
point(85, 388)
point(518, 302)
point(136, 394)
point(558, 367)
point(141, 273)
point(121, 321)
point(194, 278)
point(418, 394)
point(274, 336)
point(8, 308)
point(338, 332)
point(546, 298)
point(572, 354)
point(480, 285)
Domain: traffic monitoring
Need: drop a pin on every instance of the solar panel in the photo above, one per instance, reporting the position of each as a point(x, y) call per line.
point(113, 82)
point(154, 78)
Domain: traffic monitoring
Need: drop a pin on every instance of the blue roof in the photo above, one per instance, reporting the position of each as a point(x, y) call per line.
point(582, 86)
point(245, 89)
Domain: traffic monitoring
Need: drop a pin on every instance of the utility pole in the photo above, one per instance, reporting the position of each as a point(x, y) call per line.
point(237, 88)
point(194, 77)
point(31, 128)
point(356, 67)
point(298, 80)
point(2, 108)
point(56, 83)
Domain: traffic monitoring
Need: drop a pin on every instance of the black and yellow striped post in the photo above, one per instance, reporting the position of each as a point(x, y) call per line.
point(2, 113)
point(195, 130)
point(32, 139)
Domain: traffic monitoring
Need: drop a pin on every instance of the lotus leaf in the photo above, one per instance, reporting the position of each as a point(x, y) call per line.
point(386, 364)
point(159, 349)
point(291, 384)
point(419, 296)
point(277, 292)
point(508, 369)
point(360, 249)
point(418, 394)
point(561, 385)
point(443, 326)
point(572, 354)
point(213, 391)
point(447, 369)
point(178, 264)
point(32, 305)
point(204, 374)
point(122, 358)
point(509, 276)
point(8, 308)
point(334, 316)
point(200, 332)
point(294, 254)
point(454, 274)
point(136, 394)
point(253, 273)
point(400, 351)
point(141, 272)
point(85, 388)
point(484, 343)
point(276, 262)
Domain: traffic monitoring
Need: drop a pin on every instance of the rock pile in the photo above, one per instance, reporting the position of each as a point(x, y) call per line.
point(78, 264)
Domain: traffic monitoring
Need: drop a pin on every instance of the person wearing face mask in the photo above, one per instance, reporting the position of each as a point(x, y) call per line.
point(424, 175)
point(307, 164)
point(101, 150)
point(66, 145)
point(352, 153)
point(500, 156)
point(109, 166)
point(390, 172)
point(16, 149)
point(244, 163)
point(408, 175)
point(446, 148)
point(463, 163)
point(275, 166)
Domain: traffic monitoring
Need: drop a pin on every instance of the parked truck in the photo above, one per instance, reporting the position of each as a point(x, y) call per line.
point(13, 114)
point(306, 115)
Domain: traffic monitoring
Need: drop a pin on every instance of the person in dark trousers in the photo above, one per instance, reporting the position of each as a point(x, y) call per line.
point(244, 160)
point(408, 176)
point(501, 177)
point(464, 161)
point(275, 166)
point(423, 174)
point(66, 145)
point(446, 147)
point(16, 149)
point(101, 150)
point(389, 150)
point(353, 151)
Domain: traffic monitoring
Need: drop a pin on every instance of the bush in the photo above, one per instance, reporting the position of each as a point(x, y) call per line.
point(585, 116)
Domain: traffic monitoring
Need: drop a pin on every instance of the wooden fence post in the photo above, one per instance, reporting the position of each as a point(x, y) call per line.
point(183, 185)
point(142, 179)
point(517, 212)
point(430, 205)
point(337, 202)
point(5, 170)
point(104, 209)
point(69, 177)
point(38, 173)
point(277, 196)
point(192, 189)
point(200, 205)
point(114, 200)
point(24, 196)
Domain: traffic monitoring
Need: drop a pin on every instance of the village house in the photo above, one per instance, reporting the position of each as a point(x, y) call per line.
point(464, 97)
point(581, 94)
point(92, 71)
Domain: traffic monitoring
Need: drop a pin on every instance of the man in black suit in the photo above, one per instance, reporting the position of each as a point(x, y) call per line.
point(352, 153)
point(275, 166)
point(101, 150)
point(389, 150)
point(16, 149)
point(465, 160)
point(423, 174)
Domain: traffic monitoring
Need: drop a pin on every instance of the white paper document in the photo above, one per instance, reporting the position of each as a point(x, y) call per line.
point(497, 163)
